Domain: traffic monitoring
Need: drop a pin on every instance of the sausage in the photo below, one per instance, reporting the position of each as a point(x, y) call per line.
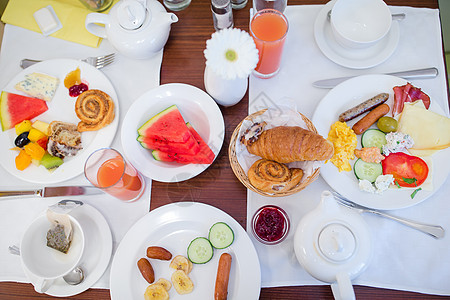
point(361, 108)
point(146, 270)
point(369, 119)
point(158, 253)
point(223, 274)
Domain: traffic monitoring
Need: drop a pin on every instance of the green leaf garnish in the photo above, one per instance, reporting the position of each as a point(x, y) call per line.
point(398, 185)
point(415, 192)
point(409, 180)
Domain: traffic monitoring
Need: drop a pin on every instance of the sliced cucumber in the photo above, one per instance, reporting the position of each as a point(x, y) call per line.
point(373, 138)
point(365, 170)
point(200, 250)
point(221, 235)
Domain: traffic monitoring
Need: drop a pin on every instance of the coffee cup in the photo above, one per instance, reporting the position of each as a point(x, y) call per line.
point(44, 263)
point(360, 24)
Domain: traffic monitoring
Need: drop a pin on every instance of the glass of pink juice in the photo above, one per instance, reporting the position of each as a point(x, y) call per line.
point(107, 169)
point(268, 28)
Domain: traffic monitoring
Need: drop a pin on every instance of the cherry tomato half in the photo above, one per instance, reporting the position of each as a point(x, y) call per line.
point(408, 170)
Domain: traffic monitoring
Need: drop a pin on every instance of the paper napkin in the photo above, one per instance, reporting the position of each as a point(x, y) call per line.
point(404, 258)
point(71, 13)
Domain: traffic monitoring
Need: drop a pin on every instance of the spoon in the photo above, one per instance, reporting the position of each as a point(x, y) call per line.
point(395, 17)
point(76, 276)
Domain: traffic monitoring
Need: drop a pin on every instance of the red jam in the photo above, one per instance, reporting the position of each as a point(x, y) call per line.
point(78, 89)
point(270, 224)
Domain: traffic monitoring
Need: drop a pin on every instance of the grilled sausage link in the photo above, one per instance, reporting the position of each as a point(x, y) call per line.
point(223, 274)
point(361, 108)
point(369, 119)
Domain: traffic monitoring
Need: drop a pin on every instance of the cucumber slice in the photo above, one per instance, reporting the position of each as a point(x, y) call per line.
point(373, 138)
point(365, 170)
point(200, 250)
point(221, 235)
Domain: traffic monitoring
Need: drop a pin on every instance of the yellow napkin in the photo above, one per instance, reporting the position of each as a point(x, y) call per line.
point(71, 13)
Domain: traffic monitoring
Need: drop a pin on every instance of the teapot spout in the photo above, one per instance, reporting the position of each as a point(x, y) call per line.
point(171, 17)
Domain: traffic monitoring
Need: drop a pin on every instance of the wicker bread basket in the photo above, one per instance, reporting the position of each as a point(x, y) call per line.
point(242, 176)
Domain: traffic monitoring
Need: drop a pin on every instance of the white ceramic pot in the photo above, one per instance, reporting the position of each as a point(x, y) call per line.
point(225, 92)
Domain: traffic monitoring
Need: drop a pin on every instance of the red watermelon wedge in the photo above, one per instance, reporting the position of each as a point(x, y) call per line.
point(16, 108)
point(191, 146)
point(167, 125)
point(204, 156)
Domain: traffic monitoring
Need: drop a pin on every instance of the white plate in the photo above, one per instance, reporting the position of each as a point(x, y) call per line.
point(61, 108)
point(196, 107)
point(347, 95)
point(173, 226)
point(353, 58)
point(96, 256)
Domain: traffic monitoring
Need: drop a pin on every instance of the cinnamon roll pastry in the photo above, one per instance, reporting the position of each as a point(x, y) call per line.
point(95, 109)
point(270, 176)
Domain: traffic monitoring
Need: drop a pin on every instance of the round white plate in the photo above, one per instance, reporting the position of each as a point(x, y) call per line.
point(61, 108)
point(353, 58)
point(347, 95)
point(96, 256)
point(173, 226)
point(196, 107)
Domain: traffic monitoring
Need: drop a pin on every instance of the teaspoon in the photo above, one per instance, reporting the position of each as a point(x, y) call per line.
point(76, 276)
point(395, 17)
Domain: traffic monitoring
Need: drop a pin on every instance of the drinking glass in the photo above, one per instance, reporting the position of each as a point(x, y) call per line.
point(176, 5)
point(268, 28)
point(97, 5)
point(279, 5)
point(107, 169)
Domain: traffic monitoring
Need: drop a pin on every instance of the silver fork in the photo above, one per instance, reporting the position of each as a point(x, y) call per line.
point(96, 61)
point(433, 230)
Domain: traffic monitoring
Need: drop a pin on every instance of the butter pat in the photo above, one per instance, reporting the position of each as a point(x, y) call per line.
point(47, 20)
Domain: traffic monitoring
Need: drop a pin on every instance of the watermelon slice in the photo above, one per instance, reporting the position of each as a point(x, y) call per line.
point(204, 156)
point(16, 108)
point(191, 146)
point(167, 125)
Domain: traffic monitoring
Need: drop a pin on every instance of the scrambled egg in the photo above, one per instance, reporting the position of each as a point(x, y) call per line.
point(344, 141)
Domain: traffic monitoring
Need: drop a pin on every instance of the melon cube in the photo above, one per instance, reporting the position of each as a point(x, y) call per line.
point(23, 126)
point(41, 126)
point(35, 135)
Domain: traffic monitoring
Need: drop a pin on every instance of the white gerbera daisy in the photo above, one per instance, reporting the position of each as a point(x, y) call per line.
point(231, 53)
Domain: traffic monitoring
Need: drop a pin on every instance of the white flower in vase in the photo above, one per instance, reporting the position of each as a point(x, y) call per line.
point(231, 56)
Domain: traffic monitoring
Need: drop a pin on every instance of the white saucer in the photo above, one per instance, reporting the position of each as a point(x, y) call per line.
point(96, 256)
point(353, 58)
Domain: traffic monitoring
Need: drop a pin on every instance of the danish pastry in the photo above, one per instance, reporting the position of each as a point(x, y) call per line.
point(270, 176)
point(95, 109)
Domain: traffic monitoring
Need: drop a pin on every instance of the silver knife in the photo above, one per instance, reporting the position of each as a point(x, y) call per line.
point(54, 191)
point(417, 74)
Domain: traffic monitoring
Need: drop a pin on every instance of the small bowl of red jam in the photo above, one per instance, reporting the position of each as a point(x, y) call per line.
point(270, 224)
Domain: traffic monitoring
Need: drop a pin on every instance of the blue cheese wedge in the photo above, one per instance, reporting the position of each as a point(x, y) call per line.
point(38, 85)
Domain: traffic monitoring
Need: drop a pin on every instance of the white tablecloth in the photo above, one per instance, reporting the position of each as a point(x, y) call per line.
point(404, 258)
point(130, 78)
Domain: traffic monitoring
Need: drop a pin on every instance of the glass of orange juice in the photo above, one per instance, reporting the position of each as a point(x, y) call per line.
point(268, 28)
point(107, 169)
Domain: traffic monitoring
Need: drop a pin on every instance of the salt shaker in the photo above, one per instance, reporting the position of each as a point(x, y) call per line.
point(222, 14)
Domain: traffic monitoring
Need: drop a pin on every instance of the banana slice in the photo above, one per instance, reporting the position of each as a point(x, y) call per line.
point(182, 283)
point(165, 283)
point(156, 292)
point(180, 262)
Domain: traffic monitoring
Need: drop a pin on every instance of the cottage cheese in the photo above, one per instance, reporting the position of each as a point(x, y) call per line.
point(397, 142)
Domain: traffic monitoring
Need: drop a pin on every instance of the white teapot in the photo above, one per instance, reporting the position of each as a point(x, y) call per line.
point(136, 28)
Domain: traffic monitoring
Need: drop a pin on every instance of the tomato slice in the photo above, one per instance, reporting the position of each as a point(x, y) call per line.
point(408, 170)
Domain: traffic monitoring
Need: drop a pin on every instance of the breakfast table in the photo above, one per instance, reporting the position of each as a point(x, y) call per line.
point(183, 61)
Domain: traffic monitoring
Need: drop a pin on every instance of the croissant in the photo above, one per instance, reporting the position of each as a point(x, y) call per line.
point(285, 144)
point(95, 109)
point(270, 176)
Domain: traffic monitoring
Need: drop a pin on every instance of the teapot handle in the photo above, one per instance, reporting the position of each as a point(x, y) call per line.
point(95, 29)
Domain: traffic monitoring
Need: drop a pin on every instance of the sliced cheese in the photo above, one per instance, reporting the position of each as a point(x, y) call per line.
point(429, 130)
point(38, 85)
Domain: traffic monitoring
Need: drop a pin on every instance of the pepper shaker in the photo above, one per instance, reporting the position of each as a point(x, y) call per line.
point(222, 14)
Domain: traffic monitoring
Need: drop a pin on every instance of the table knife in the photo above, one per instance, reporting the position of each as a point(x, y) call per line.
point(54, 191)
point(416, 74)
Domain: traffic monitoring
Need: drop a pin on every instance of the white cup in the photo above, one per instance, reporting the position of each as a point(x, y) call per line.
point(45, 263)
point(360, 23)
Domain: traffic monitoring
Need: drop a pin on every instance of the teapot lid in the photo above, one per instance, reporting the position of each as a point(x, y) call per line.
point(131, 14)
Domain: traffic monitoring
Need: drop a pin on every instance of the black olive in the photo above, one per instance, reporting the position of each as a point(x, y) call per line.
point(22, 139)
